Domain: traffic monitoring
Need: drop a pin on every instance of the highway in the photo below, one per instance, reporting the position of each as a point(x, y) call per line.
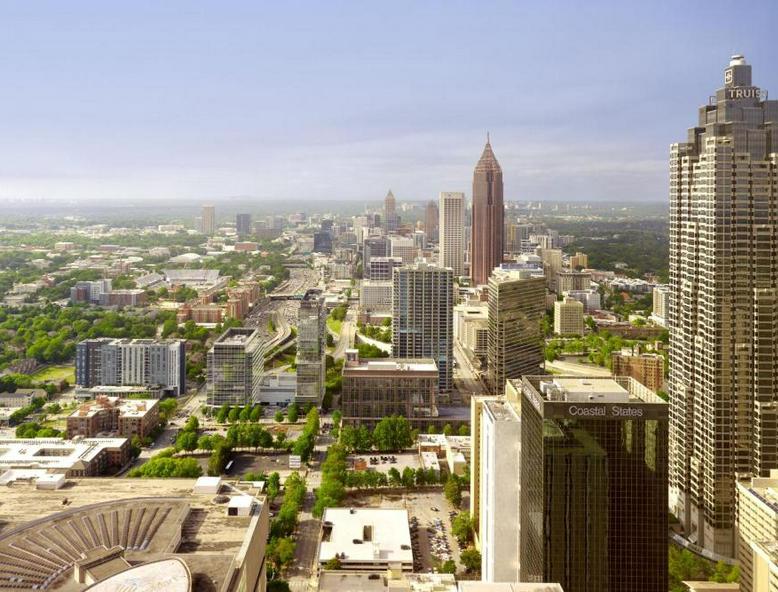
point(348, 332)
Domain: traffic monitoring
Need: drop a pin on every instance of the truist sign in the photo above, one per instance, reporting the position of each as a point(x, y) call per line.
point(746, 92)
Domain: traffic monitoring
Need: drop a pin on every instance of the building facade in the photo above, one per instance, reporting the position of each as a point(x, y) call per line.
point(723, 306)
point(451, 229)
point(382, 268)
point(311, 348)
point(121, 417)
point(757, 533)
point(568, 317)
point(132, 362)
point(208, 220)
point(647, 368)
point(243, 224)
point(573, 484)
point(374, 389)
point(390, 212)
point(517, 304)
point(235, 364)
point(423, 317)
point(487, 242)
point(431, 216)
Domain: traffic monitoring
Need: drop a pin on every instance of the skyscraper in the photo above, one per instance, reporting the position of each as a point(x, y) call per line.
point(242, 224)
point(208, 220)
point(311, 348)
point(488, 217)
point(452, 231)
point(723, 306)
point(517, 303)
point(390, 212)
point(235, 361)
point(572, 484)
point(431, 221)
point(423, 317)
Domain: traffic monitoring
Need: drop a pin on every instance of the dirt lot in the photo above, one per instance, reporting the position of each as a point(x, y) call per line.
point(432, 514)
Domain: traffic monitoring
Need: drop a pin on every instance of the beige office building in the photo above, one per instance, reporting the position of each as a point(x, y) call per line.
point(208, 220)
point(568, 317)
point(552, 262)
point(451, 230)
point(723, 306)
point(568, 281)
point(579, 261)
point(517, 303)
point(757, 533)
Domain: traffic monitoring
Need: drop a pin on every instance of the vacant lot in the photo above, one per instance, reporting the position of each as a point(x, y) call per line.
point(55, 373)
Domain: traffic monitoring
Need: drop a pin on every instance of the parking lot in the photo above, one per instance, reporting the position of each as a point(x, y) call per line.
point(430, 523)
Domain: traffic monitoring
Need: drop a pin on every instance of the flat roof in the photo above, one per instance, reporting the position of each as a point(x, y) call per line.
point(52, 453)
point(355, 581)
point(171, 575)
point(383, 533)
point(477, 586)
point(394, 365)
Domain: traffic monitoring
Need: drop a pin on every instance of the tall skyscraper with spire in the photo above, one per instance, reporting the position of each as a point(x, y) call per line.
point(723, 306)
point(390, 212)
point(488, 216)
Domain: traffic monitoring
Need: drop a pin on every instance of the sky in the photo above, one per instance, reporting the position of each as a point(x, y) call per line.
point(335, 100)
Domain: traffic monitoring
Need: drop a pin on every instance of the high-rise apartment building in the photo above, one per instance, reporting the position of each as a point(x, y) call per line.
point(723, 306)
point(431, 215)
point(423, 317)
point(132, 362)
point(517, 304)
point(451, 229)
point(243, 224)
point(208, 220)
point(235, 364)
point(382, 268)
point(403, 247)
point(552, 262)
point(579, 261)
point(487, 242)
point(568, 317)
point(647, 368)
point(572, 280)
point(311, 348)
point(572, 484)
point(659, 311)
point(374, 246)
point(390, 212)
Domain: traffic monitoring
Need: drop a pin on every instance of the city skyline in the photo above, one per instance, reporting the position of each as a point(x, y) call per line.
point(206, 104)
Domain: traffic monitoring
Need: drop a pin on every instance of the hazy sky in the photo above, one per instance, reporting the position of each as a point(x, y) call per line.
point(342, 100)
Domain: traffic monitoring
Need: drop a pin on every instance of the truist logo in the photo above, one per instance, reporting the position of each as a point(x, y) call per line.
point(748, 92)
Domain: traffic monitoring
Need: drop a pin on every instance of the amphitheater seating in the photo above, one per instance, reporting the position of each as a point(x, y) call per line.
point(36, 555)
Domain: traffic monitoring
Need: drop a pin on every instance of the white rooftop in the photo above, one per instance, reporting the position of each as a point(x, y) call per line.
point(602, 390)
point(479, 586)
point(168, 575)
point(383, 533)
point(52, 453)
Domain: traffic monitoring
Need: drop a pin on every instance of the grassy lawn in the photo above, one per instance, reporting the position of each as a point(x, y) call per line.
point(334, 325)
point(56, 373)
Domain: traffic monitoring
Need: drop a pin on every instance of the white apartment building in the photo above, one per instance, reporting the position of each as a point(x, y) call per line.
point(451, 230)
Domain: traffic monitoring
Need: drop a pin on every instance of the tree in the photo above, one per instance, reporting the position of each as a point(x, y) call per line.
point(245, 413)
point(222, 413)
point(448, 430)
point(471, 559)
point(392, 434)
point(256, 413)
point(462, 527)
point(408, 477)
point(337, 416)
point(191, 425)
point(278, 586)
point(395, 479)
point(333, 563)
point(292, 413)
point(233, 415)
point(448, 567)
point(205, 443)
point(186, 441)
point(452, 492)
point(281, 552)
point(273, 485)
point(279, 416)
point(464, 430)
